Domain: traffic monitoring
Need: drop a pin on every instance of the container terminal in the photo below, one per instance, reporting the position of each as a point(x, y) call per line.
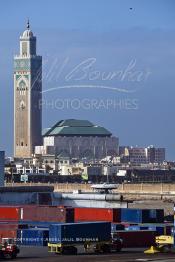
point(36, 220)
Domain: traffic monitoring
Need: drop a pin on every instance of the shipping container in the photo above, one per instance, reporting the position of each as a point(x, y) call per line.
point(169, 230)
point(97, 214)
point(131, 215)
point(37, 213)
point(115, 227)
point(142, 215)
point(153, 215)
point(129, 224)
point(49, 214)
point(137, 228)
point(9, 213)
point(118, 215)
point(33, 237)
point(8, 226)
point(144, 238)
point(37, 224)
point(8, 233)
point(11, 226)
point(162, 229)
point(79, 232)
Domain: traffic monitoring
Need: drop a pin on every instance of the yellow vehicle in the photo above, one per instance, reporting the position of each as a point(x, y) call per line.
point(162, 244)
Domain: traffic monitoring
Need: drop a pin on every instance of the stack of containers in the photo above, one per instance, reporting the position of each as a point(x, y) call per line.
point(119, 215)
point(137, 227)
point(128, 223)
point(13, 218)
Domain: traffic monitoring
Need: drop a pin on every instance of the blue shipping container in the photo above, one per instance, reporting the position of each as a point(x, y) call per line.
point(33, 237)
point(137, 228)
point(115, 227)
point(37, 224)
point(80, 232)
point(131, 215)
point(140, 216)
point(161, 230)
point(153, 216)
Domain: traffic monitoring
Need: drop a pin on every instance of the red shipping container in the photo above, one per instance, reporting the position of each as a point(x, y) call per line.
point(144, 238)
point(7, 226)
point(97, 214)
point(47, 214)
point(8, 234)
point(9, 213)
point(11, 226)
point(36, 213)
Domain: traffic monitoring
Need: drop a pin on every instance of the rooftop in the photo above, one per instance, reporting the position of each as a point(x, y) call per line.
point(74, 127)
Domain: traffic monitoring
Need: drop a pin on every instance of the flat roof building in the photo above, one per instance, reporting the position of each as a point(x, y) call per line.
point(142, 155)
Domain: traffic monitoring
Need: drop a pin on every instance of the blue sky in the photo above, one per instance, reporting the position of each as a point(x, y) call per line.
point(112, 34)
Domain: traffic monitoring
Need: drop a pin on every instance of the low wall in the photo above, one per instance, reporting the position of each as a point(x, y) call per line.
point(142, 188)
point(161, 188)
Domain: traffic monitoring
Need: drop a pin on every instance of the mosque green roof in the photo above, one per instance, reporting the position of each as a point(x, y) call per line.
point(74, 127)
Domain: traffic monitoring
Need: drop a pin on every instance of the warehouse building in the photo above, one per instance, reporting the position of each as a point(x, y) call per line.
point(78, 139)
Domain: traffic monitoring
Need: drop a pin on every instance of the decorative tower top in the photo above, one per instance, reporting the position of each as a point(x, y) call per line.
point(27, 33)
point(28, 24)
point(27, 42)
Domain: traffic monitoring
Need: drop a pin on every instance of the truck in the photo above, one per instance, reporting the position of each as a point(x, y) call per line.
point(8, 248)
point(88, 237)
point(114, 245)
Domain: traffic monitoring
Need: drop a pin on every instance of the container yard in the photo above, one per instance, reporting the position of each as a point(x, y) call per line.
point(82, 224)
point(82, 230)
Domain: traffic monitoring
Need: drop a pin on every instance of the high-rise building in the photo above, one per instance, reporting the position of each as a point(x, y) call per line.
point(2, 156)
point(27, 96)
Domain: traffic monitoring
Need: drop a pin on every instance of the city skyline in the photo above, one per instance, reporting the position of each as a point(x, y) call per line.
point(116, 43)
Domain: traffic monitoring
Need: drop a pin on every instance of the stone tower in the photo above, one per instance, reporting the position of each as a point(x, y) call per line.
point(27, 97)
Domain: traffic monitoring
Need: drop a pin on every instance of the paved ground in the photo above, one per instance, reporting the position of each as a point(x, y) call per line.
point(127, 255)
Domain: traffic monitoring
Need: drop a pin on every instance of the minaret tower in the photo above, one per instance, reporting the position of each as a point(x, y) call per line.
point(27, 97)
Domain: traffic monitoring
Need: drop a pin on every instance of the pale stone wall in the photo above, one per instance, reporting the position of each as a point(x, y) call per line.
point(78, 147)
